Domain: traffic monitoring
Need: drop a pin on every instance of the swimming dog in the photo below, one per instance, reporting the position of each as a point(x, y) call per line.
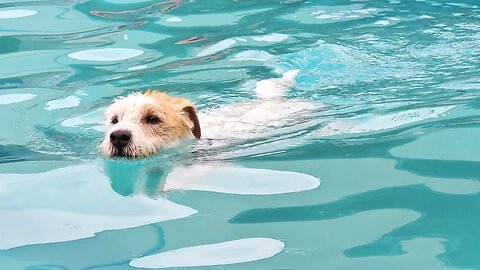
point(140, 125)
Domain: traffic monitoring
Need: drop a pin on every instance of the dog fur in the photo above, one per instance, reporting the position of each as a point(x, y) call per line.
point(177, 119)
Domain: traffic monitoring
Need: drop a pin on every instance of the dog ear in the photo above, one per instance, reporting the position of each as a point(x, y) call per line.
point(191, 113)
point(181, 104)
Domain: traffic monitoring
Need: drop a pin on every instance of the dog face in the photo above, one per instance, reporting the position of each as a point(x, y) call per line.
point(139, 125)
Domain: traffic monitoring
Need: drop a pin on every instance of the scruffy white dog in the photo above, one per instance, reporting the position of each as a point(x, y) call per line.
point(140, 125)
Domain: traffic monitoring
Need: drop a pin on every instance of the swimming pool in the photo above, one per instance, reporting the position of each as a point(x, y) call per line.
point(383, 173)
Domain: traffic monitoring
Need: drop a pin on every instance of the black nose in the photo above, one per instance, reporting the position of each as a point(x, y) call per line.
point(120, 138)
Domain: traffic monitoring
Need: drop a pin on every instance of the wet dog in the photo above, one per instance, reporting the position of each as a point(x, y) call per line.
point(140, 125)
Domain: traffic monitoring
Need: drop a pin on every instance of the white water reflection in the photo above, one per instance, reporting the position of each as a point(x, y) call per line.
point(380, 122)
point(173, 19)
point(108, 54)
point(135, 68)
point(207, 19)
point(252, 55)
point(253, 41)
point(330, 14)
point(230, 252)
point(68, 102)
point(72, 203)
point(92, 119)
point(16, 13)
point(15, 98)
point(273, 37)
point(220, 46)
point(237, 180)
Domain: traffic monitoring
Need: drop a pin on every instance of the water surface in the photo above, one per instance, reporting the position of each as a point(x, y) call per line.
point(382, 174)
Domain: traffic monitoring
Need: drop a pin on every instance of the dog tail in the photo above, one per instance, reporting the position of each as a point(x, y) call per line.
point(276, 88)
point(290, 76)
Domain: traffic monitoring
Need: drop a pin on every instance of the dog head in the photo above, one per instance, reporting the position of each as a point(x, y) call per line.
point(139, 125)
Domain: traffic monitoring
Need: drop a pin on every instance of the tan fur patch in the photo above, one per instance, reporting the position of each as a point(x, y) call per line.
point(176, 103)
point(182, 105)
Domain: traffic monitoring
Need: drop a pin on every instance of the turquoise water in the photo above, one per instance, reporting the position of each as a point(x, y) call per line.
point(384, 173)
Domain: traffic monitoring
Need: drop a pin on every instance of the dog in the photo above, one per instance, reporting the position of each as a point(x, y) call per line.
point(140, 125)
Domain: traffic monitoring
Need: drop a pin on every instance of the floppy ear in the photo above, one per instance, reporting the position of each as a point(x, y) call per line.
point(191, 113)
point(182, 104)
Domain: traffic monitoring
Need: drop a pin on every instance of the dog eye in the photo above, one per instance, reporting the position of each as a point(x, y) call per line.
point(152, 120)
point(114, 120)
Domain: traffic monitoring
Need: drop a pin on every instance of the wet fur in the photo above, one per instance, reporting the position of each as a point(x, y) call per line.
point(178, 120)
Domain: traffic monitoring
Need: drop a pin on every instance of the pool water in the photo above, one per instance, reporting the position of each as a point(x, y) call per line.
point(383, 173)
